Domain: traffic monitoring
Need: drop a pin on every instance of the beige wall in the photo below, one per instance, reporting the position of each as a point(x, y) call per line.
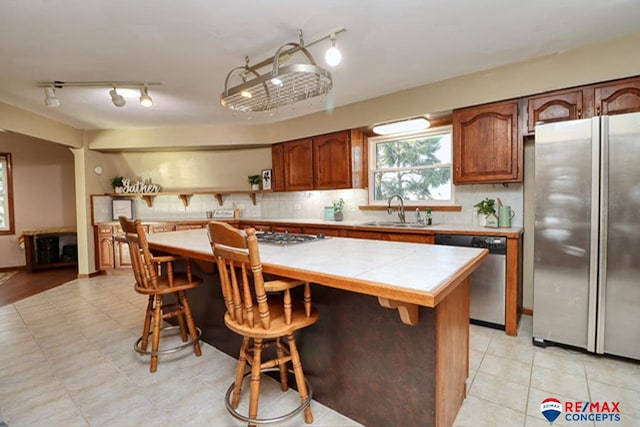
point(43, 187)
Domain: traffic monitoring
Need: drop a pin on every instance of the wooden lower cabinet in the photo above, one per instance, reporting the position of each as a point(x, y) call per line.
point(412, 238)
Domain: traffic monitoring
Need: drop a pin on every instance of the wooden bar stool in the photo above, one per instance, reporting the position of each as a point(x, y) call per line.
point(157, 282)
point(259, 319)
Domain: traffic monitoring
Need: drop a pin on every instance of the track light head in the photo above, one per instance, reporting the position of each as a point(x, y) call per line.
point(145, 99)
point(117, 99)
point(50, 99)
point(333, 55)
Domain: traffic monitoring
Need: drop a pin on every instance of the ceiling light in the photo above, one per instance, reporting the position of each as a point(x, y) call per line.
point(403, 126)
point(333, 55)
point(145, 99)
point(293, 82)
point(50, 99)
point(116, 98)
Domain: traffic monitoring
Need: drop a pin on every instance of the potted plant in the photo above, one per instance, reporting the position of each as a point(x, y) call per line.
point(254, 180)
point(484, 208)
point(116, 183)
point(338, 209)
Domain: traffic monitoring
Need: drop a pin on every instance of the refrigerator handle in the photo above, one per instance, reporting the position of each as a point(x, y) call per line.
point(592, 305)
point(603, 226)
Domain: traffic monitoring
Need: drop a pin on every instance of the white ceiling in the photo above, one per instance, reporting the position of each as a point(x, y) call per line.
point(191, 45)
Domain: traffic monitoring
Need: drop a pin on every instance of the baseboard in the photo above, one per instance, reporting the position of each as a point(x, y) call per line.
point(90, 275)
point(17, 267)
point(526, 311)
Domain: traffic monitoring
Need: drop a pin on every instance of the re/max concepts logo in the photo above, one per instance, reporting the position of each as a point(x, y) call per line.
point(551, 408)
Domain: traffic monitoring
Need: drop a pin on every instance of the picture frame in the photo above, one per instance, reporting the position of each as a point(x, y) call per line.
point(267, 178)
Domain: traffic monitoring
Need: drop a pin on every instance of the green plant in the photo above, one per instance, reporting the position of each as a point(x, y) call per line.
point(486, 206)
point(254, 179)
point(338, 205)
point(116, 181)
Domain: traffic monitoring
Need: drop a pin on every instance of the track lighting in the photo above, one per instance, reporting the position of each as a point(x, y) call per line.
point(145, 99)
point(333, 55)
point(116, 98)
point(51, 100)
point(403, 126)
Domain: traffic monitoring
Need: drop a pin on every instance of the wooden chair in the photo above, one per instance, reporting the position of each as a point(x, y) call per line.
point(157, 282)
point(261, 320)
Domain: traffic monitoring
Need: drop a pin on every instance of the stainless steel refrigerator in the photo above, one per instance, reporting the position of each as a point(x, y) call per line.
point(587, 234)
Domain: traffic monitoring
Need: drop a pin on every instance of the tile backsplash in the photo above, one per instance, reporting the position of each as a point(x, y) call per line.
point(310, 205)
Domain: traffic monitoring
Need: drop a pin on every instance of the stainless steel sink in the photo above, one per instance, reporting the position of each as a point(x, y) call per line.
point(393, 224)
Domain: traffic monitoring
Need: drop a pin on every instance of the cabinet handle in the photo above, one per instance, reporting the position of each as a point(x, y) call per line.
point(579, 113)
point(598, 110)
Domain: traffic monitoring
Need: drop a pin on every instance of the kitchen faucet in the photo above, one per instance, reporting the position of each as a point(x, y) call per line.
point(401, 211)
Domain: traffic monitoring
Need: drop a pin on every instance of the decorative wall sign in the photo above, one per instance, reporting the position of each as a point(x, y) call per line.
point(266, 179)
point(139, 187)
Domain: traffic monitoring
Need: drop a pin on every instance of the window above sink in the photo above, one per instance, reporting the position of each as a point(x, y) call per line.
point(416, 166)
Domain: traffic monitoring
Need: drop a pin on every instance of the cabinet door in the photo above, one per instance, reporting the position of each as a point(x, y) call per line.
point(122, 255)
point(487, 146)
point(413, 238)
point(332, 161)
point(618, 98)
point(106, 258)
point(298, 165)
point(277, 166)
point(555, 107)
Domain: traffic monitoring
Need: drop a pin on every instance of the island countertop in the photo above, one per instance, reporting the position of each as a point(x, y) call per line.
point(406, 272)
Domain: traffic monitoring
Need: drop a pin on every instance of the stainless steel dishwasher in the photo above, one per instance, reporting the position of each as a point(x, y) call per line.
point(488, 282)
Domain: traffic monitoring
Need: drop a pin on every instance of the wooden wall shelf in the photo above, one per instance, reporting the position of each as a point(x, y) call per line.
point(185, 196)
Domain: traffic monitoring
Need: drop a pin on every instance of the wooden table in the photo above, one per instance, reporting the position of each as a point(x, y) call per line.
point(362, 358)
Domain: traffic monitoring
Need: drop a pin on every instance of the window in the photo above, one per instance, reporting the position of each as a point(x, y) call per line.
point(417, 167)
point(6, 200)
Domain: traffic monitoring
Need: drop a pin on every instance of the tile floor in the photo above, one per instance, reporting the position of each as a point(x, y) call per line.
point(66, 359)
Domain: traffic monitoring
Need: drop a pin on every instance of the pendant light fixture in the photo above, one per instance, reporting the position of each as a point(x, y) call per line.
point(279, 84)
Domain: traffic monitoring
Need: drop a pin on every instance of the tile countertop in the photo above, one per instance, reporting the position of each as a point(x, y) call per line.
point(436, 228)
point(513, 232)
point(408, 272)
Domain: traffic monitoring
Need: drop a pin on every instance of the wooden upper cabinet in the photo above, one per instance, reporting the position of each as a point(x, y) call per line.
point(617, 97)
point(604, 99)
point(277, 165)
point(298, 165)
point(556, 107)
point(487, 146)
point(335, 160)
point(330, 161)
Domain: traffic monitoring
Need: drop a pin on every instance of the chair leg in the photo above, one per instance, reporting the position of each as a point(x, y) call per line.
point(155, 344)
point(240, 367)
point(254, 394)
point(181, 318)
point(190, 324)
point(284, 382)
point(297, 369)
point(147, 324)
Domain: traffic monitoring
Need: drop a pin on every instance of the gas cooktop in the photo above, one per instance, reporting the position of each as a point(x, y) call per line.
point(286, 239)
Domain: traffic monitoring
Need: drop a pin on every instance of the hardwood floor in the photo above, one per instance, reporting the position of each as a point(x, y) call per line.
point(24, 284)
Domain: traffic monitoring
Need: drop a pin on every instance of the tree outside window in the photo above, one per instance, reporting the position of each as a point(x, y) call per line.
point(6, 200)
point(417, 167)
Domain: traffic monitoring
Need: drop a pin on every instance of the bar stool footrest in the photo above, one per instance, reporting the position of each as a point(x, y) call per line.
point(288, 415)
point(138, 348)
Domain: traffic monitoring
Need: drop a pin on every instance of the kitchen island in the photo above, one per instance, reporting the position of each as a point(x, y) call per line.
point(392, 343)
